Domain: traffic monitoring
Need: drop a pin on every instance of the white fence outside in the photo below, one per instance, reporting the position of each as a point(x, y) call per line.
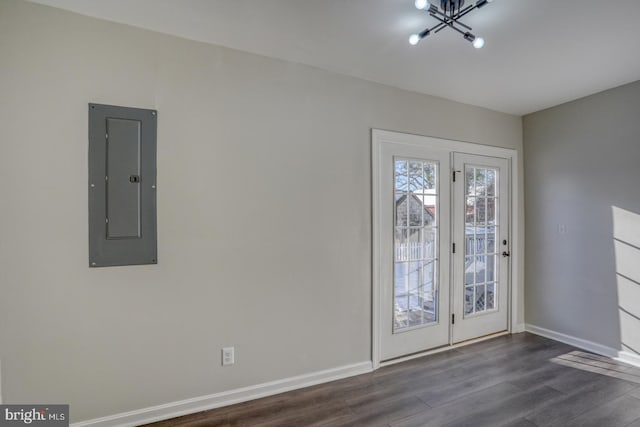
point(415, 251)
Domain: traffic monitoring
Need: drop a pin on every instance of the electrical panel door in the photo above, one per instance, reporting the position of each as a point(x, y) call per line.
point(122, 186)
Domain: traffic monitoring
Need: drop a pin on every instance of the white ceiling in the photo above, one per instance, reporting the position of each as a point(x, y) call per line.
point(538, 53)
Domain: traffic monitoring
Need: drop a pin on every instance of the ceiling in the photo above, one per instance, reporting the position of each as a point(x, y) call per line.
point(538, 53)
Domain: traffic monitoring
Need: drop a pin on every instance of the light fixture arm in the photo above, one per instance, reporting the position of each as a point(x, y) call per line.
point(451, 24)
point(449, 21)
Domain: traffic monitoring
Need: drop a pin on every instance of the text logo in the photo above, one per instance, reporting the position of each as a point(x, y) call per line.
point(34, 415)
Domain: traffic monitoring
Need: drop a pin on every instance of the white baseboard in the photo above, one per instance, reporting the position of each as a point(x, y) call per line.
point(622, 356)
point(574, 341)
point(217, 400)
point(630, 358)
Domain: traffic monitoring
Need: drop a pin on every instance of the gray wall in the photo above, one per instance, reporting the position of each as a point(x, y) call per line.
point(264, 213)
point(581, 168)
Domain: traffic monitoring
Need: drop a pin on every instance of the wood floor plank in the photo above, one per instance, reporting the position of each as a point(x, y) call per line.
point(517, 406)
point(538, 374)
point(454, 411)
point(328, 414)
point(520, 422)
point(581, 400)
point(572, 379)
point(619, 412)
point(382, 414)
point(511, 369)
point(336, 390)
point(481, 363)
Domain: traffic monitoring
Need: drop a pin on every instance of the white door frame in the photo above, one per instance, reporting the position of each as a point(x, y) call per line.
point(382, 137)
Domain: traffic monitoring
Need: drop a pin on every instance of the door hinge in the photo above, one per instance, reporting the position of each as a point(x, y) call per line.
point(454, 176)
point(453, 319)
point(454, 248)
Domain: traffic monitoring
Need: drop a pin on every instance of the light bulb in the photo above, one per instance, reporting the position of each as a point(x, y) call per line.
point(478, 42)
point(422, 4)
point(414, 39)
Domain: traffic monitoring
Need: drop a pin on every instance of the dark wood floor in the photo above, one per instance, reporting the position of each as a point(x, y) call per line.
point(508, 381)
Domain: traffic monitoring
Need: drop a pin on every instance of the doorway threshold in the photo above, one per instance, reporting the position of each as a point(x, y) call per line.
point(442, 349)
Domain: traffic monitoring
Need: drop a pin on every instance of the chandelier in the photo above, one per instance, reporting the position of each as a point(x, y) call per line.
point(449, 14)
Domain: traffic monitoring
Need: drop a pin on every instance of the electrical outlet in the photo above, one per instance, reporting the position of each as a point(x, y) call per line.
point(228, 356)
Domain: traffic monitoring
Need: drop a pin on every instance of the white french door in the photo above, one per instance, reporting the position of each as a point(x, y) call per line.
point(416, 222)
point(481, 235)
point(441, 227)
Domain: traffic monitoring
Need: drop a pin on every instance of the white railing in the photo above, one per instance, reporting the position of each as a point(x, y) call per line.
point(415, 251)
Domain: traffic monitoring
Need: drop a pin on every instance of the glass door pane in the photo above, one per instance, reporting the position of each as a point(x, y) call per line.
point(415, 268)
point(481, 231)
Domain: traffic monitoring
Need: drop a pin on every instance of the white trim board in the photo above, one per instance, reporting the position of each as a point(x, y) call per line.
point(574, 341)
point(217, 400)
point(630, 358)
point(519, 328)
point(622, 356)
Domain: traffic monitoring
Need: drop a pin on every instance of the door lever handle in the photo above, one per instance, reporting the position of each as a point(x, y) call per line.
point(506, 254)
